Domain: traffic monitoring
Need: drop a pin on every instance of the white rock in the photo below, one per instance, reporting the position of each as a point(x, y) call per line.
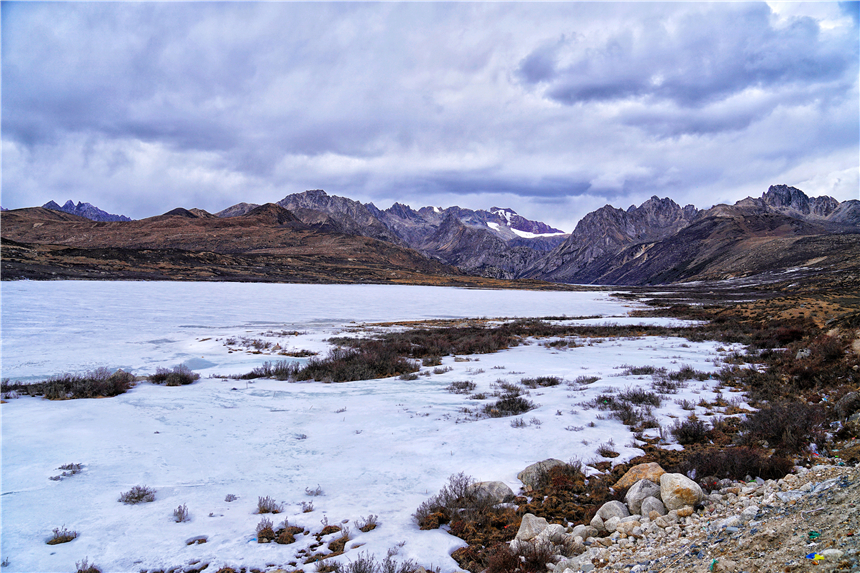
point(677, 490)
point(650, 504)
point(611, 524)
point(553, 533)
point(530, 527)
point(639, 491)
point(496, 491)
point(612, 509)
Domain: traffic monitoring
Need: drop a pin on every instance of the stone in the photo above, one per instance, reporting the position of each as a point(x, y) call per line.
point(831, 554)
point(677, 490)
point(651, 505)
point(531, 475)
point(638, 492)
point(584, 531)
point(530, 527)
point(553, 533)
point(627, 527)
point(612, 509)
point(495, 491)
point(650, 471)
point(611, 524)
point(685, 511)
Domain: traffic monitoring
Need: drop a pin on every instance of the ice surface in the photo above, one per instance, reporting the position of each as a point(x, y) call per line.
point(73, 326)
point(374, 447)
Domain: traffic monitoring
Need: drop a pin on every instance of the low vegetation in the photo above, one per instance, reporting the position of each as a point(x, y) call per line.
point(541, 381)
point(268, 505)
point(180, 375)
point(138, 494)
point(84, 566)
point(181, 515)
point(462, 387)
point(98, 383)
point(365, 563)
point(508, 405)
point(736, 463)
point(62, 535)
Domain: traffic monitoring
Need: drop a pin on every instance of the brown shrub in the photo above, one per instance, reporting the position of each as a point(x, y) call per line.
point(788, 427)
point(690, 431)
point(736, 463)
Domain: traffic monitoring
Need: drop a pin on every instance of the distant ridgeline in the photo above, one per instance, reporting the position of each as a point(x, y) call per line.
point(784, 235)
point(85, 210)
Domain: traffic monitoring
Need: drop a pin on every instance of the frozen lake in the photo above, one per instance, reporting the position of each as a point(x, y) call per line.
point(373, 447)
point(72, 326)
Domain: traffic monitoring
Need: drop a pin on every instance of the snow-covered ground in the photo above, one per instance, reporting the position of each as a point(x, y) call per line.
point(374, 447)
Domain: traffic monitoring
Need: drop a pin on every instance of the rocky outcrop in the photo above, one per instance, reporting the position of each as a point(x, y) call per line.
point(346, 216)
point(237, 210)
point(607, 231)
point(737, 527)
point(476, 251)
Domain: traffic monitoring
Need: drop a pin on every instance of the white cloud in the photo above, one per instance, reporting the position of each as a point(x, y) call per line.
point(138, 108)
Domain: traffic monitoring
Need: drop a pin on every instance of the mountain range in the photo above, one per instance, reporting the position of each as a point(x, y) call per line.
point(658, 242)
point(85, 210)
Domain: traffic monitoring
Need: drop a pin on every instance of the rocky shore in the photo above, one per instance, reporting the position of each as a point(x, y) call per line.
point(806, 521)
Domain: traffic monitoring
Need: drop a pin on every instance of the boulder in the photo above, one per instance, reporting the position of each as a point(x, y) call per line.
point(650, 504)
point(553, 533)
point(677, 490)
point(584, 531)
point(611, 524)
point(496, 491)
point(612, 509)
point(531, 475)
point(530, 527)
point(638, 492)
point(650, 471)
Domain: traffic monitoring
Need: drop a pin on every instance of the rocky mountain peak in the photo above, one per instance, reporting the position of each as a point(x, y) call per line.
point(791, 200)
point(85, 210)
point(403, 211)
point(272, 212)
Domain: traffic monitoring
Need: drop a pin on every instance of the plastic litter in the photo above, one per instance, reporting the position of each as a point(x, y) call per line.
point(815, 557)
point(713, 564)
point(813, 535)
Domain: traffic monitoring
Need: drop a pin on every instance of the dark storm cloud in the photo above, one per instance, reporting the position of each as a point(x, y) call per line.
point(695, 59)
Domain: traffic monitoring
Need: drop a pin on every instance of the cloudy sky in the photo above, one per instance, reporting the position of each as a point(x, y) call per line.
point(552, 109)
